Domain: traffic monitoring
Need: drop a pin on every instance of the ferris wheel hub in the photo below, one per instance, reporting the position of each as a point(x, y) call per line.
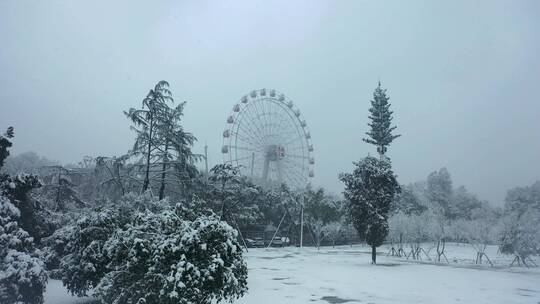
point(275, 152)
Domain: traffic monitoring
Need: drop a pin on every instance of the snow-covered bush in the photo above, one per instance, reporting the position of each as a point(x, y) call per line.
point(85, 263)
point(132, 202)
point(22, 273)
point(78, 249)
point(164, 258)
point(150, 252)
point(55, 249)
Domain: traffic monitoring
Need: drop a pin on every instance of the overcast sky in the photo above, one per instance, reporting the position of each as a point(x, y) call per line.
point(463, 77)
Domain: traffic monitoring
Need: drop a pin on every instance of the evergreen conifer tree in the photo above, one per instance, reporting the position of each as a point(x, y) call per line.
point(381, 130)
point(161, 140)
point(147, 118)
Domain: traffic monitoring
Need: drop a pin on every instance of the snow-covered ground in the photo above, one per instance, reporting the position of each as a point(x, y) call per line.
point(57, 294)
point(345, 275)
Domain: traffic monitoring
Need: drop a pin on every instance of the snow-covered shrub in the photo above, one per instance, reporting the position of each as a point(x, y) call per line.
point(85, 263)
point(150, 252)
point(22, 273)
point(132, 202)
point(55, 249)
point(192, 209)
point(35, 218)
point(164, 258)
point(78, 249)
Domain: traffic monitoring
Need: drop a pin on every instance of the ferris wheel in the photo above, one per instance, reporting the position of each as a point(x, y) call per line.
point(268, 139)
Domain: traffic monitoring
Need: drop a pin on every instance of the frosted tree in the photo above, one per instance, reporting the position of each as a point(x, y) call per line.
point(381, 129)
point(521, 199)
point(521, 237)
point(27, 162)
point(398, 233)
point(479, 232)
point(369, 192)
point(521, 232)
point(408, 202)
point(439, 192)
point(410, 230)
point(226, 179)
point(234, 197)
point(61, 190)
point(465, 204)
point(439, 231)
point(319, 211)
point(333, 231)
point(113, 174)
point(418, 231)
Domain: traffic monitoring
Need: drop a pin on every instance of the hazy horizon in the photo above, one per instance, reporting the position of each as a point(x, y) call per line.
point(462, 78)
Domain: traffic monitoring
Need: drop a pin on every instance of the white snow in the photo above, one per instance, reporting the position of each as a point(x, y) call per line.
point(57, 294)
point(345, 275)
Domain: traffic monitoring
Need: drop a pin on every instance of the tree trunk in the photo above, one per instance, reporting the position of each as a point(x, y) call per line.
point(222, 216)
point(58, 206)
point(373, 255)
point(116, 177)
point(147, 174)
point(163, 173)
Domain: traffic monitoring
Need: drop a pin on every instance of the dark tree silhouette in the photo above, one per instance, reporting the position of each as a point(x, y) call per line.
point(369, 192)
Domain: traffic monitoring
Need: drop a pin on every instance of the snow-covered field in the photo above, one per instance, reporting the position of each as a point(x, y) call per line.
point(345, 275)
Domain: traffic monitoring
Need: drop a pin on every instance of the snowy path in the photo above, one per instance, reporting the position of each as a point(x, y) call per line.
point(344, 275)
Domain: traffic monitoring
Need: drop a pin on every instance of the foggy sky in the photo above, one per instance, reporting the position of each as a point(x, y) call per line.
point(463, 78)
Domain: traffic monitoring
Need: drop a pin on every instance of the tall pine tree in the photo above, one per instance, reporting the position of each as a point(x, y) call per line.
point(372, 186)
point(147, 118)
point(175, 148)
point(381, 131)
point(161, 141)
